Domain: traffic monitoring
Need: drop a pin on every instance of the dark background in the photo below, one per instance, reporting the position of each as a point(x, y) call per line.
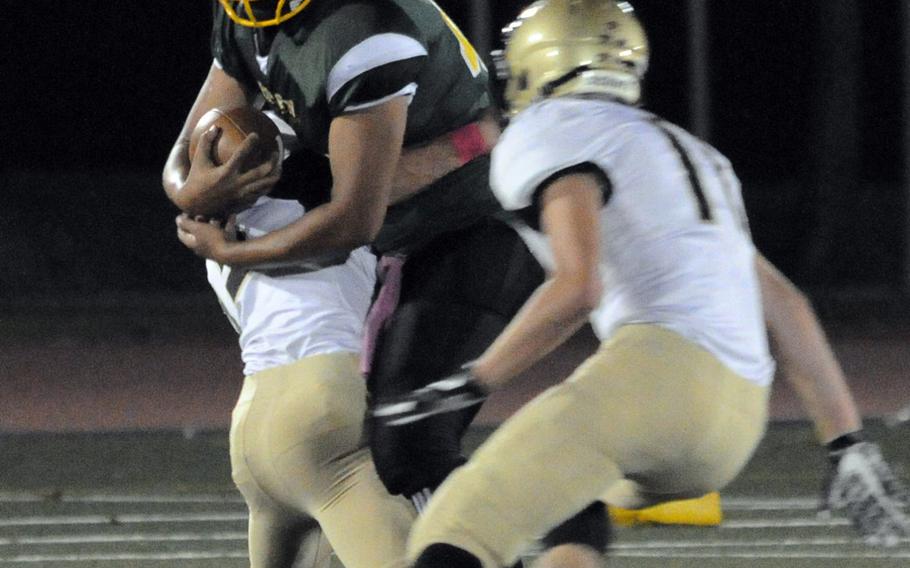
point(95, 92)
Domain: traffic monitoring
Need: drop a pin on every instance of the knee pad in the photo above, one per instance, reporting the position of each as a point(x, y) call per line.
point(590, 527)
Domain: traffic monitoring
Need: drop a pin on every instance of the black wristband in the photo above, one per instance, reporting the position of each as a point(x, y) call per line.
point(838, 445)
point(474, 384)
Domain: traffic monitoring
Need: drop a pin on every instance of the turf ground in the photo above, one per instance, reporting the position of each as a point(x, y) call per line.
point(154, 499)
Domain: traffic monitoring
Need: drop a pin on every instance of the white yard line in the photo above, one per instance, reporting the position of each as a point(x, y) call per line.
point(768, 504)
point(833, 554)
point(207, 517)
point(45, 558)
point(103, 498)
point(760, 543)
point(122, 538)
point(783, 523)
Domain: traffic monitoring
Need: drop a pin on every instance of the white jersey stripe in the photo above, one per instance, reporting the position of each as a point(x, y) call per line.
point(373, 52)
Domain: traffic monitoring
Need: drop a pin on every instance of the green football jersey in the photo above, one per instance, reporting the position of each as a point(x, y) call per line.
point(339, 56)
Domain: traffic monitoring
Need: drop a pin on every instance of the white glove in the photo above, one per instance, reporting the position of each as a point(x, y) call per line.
point(869, 493)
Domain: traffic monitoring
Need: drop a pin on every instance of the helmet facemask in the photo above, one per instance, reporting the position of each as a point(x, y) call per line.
point(262, 13)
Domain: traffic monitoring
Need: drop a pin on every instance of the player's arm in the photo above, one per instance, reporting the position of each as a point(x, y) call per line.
point(859, 480)
point(804, 355)
point(204, 188)
point(364, 148)
point(570, 216)
point(570, 208)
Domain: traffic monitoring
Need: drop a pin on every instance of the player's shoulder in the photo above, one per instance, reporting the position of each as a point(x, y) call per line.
point(549, 126)
point(554, 135)
point(348, 22)
point(532, 147)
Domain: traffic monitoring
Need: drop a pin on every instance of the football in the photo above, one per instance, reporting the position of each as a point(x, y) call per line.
point(235, 124)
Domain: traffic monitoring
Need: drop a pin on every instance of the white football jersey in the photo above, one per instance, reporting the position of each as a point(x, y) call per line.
point(676, 249)
point(287, 311)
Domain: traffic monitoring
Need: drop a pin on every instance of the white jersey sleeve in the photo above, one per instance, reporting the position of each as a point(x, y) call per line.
point(530, 152)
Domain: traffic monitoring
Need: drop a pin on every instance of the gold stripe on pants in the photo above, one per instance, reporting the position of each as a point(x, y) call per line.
point(649, 406)
point(298, 457)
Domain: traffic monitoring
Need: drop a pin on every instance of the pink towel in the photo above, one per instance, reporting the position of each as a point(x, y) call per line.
point(389, 273)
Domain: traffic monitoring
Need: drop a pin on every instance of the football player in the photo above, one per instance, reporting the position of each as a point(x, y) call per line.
point(642, 230)
point(297, 449)
point(807, 362)
point(398, 99)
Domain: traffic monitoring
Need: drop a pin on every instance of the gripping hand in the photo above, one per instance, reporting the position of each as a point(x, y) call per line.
point(452, 393)
point(863, 486)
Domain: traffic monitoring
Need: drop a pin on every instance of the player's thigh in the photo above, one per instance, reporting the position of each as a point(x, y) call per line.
point(732, 427)
point(279, 540)
point(675, 419)
point(367, 526)
point(239, 437)
point(305, 420)
point(542, 466)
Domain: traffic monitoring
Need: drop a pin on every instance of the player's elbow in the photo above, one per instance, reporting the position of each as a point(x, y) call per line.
point(783, 300)
point(356, 229)
point(582, 292)
point(351, 240)
point(796, 300)
point(359, 232)
point(180, 199)
point(591, 294)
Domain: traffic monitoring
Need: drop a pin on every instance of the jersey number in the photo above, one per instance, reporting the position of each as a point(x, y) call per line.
point(704, 208)
point(467, 50)
point(698, 192)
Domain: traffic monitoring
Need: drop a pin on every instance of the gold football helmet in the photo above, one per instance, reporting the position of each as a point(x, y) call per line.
point(556, 47)
point(263, 13)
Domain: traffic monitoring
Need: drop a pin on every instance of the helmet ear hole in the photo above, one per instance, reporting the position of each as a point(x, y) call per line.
point(522, 81)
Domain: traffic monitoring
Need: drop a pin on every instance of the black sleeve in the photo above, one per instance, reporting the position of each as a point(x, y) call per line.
point(531, 215)
point(376, 84)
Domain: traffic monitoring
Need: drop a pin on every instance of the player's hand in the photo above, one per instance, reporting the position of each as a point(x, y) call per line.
point(206, 238)
point(863, 486)
point(220, 189)
point(452, 393)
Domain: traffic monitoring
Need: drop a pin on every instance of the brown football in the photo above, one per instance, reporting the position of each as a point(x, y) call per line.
point(235, 124)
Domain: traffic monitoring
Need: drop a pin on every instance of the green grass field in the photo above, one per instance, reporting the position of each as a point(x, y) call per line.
point(153, 499)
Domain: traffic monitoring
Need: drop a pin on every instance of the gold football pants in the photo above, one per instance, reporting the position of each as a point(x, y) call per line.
point(650, 409)
point(299, 459)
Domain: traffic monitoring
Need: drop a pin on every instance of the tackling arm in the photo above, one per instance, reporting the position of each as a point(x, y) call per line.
point(570, 211)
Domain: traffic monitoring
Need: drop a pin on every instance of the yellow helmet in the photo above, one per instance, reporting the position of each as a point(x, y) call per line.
point(263, 13)
point(556, 47)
